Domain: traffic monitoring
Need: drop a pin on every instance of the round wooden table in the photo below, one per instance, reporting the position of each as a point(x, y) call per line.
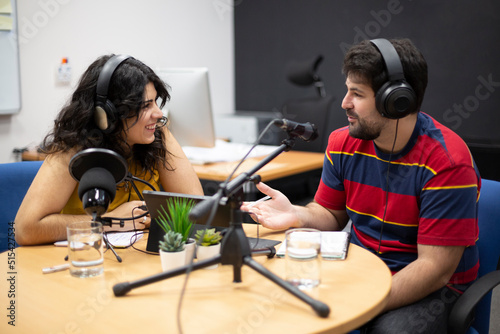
point(356, 290)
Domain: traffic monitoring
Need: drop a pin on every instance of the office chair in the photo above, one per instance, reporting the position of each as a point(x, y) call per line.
point(471, 313)
point(316, 109)
point(15, 179)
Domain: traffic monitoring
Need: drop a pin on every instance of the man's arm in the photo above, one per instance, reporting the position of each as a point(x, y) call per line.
point(279, 214)
point(429, 272)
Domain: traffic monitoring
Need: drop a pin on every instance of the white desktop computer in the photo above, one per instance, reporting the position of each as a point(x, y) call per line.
point(190, 107)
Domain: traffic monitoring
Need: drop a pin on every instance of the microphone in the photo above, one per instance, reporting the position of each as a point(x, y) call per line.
point(98, 171)
point(96, 190)
point(305, 131)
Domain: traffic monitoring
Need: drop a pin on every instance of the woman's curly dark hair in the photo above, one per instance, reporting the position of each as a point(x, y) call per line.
point(75, 127)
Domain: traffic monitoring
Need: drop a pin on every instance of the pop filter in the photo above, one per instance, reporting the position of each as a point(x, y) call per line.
point(98, 171)
point(90, 158)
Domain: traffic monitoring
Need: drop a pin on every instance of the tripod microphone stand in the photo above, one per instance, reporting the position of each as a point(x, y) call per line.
point(109, 246)
point(235, 248)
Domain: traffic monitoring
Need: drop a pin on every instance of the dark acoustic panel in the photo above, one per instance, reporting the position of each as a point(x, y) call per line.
point(460, 40)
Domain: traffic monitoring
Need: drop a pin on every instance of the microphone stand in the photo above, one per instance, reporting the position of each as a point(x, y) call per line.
point(105, 222)
point(109, 221)
point(235, 248)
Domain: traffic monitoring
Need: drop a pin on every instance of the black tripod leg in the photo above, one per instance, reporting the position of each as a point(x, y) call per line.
point(321, 308)
point(269, 252)
point(109, 246)
point(121, 289)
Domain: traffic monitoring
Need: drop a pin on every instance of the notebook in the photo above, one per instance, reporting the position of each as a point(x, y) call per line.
point(156, 199)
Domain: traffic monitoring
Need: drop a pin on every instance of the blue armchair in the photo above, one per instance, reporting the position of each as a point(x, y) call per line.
point(471, 313)
point(15, 179)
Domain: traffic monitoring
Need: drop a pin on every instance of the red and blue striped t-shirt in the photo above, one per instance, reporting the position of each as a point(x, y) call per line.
point(432, 195)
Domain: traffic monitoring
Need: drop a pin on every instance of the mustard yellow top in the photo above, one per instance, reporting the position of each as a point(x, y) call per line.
point(124, 193)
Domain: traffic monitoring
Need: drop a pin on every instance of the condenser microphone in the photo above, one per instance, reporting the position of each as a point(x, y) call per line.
point(98, 171)
point(305, 131)
point(96, 190)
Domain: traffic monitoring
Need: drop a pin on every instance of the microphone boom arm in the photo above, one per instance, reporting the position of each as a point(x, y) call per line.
point(235, 248)
point(233, 185)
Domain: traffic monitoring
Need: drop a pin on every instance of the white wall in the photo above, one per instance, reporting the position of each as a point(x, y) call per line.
point(161, 33)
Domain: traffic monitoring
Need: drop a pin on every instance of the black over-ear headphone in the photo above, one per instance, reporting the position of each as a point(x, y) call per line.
point(105, 111)
point(396, 98)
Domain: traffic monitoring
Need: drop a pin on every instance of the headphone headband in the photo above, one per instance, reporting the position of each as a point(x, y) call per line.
point(391, 59)
point(105, 76)
point(105, 112)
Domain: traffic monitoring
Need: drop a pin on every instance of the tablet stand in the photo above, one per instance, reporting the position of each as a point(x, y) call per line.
point(235, 248)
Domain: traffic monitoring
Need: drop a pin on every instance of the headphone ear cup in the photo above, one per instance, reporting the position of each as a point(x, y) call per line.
point(100, 118)
point(105, 111)
point(395, 100)
point(104, 116)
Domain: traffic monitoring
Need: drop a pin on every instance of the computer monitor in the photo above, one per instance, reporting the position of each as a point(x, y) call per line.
point(190, 108)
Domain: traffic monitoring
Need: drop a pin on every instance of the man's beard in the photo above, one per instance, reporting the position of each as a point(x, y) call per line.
point(365, 131)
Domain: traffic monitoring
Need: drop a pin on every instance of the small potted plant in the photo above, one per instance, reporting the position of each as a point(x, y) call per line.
point(176, 218)
point(172, 251)
point(208, 241)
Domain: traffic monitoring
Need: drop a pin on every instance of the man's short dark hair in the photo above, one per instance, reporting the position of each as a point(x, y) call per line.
point(364, 63)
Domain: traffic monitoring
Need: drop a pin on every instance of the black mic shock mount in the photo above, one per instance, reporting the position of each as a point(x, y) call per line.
point(305, 131)
point(235, 248)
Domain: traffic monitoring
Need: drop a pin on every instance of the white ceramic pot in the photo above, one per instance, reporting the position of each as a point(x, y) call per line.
point(172, 260)
point(207, 252)
point(190, 248)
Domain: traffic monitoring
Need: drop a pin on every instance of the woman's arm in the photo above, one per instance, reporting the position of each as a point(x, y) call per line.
point(38, 220)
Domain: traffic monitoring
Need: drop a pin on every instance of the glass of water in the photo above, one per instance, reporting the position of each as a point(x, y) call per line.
point(85, 249)
point(303, 263)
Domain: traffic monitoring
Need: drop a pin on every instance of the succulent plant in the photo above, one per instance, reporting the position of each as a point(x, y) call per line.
point(172, 242)
point(208, 237)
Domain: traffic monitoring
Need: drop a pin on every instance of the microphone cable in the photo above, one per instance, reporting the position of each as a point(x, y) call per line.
point(208, 224)
point(257, 141)
point(131, 178)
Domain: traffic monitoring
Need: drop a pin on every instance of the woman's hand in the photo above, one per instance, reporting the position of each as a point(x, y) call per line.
point(129, 210)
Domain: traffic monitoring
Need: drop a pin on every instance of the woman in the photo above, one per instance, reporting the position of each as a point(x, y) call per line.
point(114, 107)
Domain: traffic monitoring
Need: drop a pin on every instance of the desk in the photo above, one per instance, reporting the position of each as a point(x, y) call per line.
point(286, 164)
point(355, 289)
point(295, 173)
point(32, 155)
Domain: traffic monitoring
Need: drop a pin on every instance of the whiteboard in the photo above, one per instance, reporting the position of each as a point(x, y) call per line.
point(10, 85)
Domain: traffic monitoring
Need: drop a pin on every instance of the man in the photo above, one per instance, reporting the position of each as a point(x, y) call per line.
point(408, 184)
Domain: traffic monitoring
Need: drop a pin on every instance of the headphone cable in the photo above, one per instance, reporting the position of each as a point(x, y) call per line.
point(387, 187)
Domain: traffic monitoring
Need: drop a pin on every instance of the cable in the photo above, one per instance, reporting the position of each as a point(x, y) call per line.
point(137, 231)
point(131, 178)
point(257, 141)
point(387, 187)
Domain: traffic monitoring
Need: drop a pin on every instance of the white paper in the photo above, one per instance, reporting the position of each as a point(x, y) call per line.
point(334, 245)
point(224, 152)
